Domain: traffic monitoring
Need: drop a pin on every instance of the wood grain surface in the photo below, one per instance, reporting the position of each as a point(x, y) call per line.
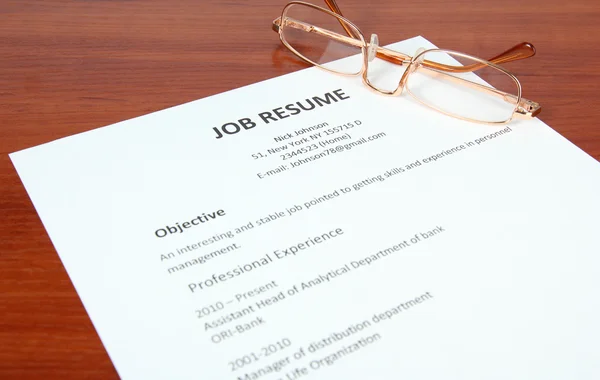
point(70, 66)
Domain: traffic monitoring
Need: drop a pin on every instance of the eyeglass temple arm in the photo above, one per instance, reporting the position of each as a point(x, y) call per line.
point(525, 107)
point(519, 51)
point(332, 5)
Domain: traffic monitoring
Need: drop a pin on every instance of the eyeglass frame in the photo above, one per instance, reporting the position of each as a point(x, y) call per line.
point(523, 107)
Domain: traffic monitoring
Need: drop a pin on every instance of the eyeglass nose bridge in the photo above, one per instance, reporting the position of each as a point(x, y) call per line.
point(414, 64)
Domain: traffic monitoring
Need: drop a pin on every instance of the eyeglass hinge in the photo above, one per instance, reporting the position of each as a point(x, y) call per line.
point(275, 24)
point(528, 108)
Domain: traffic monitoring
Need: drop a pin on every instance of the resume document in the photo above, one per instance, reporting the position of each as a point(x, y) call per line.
point(307, 228)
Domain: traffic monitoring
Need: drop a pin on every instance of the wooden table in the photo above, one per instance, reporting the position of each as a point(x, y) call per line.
point(70, 66)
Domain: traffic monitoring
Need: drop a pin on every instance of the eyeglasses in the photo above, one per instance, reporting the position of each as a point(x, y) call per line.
point(441, 79)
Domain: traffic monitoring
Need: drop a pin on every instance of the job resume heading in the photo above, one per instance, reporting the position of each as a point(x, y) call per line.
point(283, 112)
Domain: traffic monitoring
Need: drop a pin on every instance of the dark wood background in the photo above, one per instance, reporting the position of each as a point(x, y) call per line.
point(70, 66)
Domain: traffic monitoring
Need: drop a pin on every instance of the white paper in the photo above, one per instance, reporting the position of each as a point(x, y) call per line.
point(482, 264)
